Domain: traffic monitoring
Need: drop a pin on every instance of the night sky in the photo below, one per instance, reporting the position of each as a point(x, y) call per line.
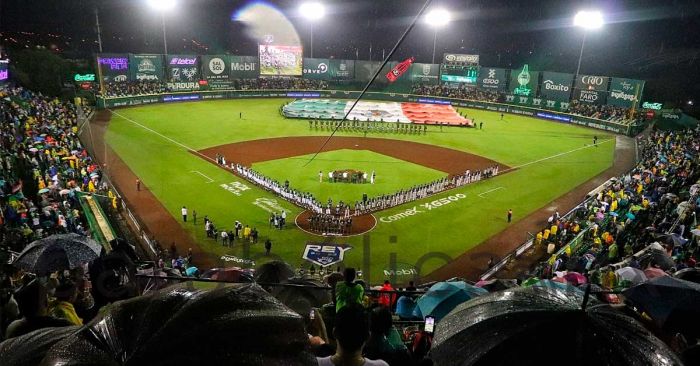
point(654, 40)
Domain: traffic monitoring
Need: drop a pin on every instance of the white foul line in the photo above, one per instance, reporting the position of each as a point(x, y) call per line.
point(200, 173)
point(489, 191)
point(556, 155)
point(163, 136)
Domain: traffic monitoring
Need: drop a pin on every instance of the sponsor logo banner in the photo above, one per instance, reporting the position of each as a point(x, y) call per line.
point(114, 67)
point(216, 68)
point(523, 81)
point(244, 67)
point(456, 58)
point(425, 73)
point(316, 68)
point(83, 77)
point(146, 67)
point(592, 82)
point(342, 69)
point(492, 78)
point(652, 105)
point(590, 96)
point(625, 92)
point(556, 86)
point(4, 73)
point(183, 72)
point(324, 254)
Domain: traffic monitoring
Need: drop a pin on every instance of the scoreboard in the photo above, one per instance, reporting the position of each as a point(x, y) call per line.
point(459, 74)
point(459, 68)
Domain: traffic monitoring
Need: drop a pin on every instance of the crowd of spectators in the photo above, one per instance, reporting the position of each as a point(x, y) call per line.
point(280, 84)
point(134, 88)
point(459, 92)
point(599, 111)
point(655, 201)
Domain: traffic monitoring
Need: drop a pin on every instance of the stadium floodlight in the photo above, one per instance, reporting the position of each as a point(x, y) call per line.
point(587, 20)
point(312, 11)
point(163, 6)
point(437, 18)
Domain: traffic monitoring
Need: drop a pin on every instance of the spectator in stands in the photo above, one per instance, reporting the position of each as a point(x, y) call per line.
point(32, 300)
point(384, 341)
point(351, 331)
point(62, 307)
point(387, 298)
point(348, 292)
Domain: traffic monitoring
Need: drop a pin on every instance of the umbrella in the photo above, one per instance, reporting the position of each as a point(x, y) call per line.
point(64, 192)
point(575, 278)
point(530, 281)
point(442, 297)
point(653, 272)
point(555, 284)
point(191, 271)
point(33, 149)
point(497, 284)
point(221, 325)
point(230, 274)
point(634, 275)
point(689, 274)
point(671, 302)
point(674, 239)
point(615, 214)
point(662, 260)
point(43, 190)
point(514, 327)
point(630, 216)
point(58, 252)
point(274, 272)
point(309, 294)
point(695, 232)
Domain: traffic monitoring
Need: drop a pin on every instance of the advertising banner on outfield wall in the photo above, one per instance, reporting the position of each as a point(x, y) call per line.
point(364, 70)
point(114, 68)
point(625, 92)
point(216, 70)
point(492, 78)
point(523, 81)
point(591, 89)
point(146, 68)
point(316, 68)
point(425, 73)
point(556, 86)
point(342, 69)
point(183, 72)
point(244, 67)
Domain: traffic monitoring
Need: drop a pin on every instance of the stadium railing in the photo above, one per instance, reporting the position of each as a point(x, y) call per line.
point(628, 129)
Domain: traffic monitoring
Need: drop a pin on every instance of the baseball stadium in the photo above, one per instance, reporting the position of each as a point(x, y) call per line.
point(406, 208)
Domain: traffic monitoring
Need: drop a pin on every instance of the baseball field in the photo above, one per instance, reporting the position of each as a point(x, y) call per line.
point(170, 148)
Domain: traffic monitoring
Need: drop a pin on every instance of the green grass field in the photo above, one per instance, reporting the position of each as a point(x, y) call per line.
point(392, 174)
point(151, 141)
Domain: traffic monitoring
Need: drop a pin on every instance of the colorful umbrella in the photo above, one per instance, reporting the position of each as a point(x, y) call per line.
point(633, 275)
point(442, 297)
point(654, 272)
point(43, 190)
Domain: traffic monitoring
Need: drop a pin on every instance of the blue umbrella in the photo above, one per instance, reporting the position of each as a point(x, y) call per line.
point(630, 216)
point(442, 297)
point(557, 285)
point(191, 271)
point(614, 214)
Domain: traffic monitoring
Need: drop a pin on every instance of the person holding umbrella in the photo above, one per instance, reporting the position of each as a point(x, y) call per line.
point(32, 301)
point(62, 307)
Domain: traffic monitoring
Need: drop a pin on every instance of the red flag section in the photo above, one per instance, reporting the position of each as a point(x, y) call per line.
point(399, 69)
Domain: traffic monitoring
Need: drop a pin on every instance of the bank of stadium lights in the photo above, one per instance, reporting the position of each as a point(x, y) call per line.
point(313, 12)
point(163, 6)
point(437, 18)
point(587, 20)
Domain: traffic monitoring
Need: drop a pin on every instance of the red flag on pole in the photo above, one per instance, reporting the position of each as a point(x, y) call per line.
point(399, 69)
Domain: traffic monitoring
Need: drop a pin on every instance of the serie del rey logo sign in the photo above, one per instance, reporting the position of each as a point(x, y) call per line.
point(325, 255)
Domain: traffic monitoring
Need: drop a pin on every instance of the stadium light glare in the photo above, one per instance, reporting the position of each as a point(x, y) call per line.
point(438, 18)
point(163, 6)
point(588, 19)
point(312, 11)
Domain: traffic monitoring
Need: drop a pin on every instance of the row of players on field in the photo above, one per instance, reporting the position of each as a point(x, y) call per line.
point(371, 125)
point(366, 205)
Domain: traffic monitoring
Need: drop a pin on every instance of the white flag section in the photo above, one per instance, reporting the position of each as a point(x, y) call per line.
point(377, 111)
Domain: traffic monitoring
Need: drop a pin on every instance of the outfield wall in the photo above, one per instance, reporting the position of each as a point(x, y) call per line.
point(530, 111)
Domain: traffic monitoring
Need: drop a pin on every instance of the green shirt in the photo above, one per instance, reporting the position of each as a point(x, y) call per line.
point(347, 294)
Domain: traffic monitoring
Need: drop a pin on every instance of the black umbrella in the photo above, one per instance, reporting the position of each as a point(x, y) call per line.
point(658, 258)
point(58, 252)
point(274, 272)
point(672, 303)
point(689, 274)
point(302, 294)
point(541, 325)
point(233, 325)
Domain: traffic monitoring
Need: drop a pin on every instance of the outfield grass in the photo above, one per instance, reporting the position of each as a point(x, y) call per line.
point(392, 174)
point(166, 167)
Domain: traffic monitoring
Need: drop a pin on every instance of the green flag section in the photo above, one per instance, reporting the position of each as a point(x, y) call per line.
point(113, 68)
point(556, 86)
point(342, 69)
point(317, 109)
point(425, 73)
point(244, 67)
point(316, 68)
point(523, 81)
point(216, 71)
point(625, 92)
point(183, 72)
point(146, 68)
point(493, 78)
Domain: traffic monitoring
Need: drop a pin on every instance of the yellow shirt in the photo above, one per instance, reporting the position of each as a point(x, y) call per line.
point(553, 230)
point(65, 310)
point(546, 234)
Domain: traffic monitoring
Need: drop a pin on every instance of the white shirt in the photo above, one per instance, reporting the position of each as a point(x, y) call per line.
point(184, 211)
point(326, 361)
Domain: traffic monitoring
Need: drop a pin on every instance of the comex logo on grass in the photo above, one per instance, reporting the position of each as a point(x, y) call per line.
point(423, 208)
